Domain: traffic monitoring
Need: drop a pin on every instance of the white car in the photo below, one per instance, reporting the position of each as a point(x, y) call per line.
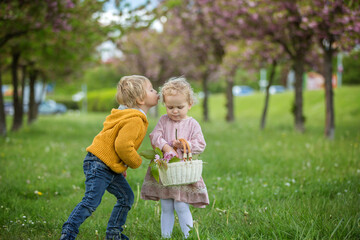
point(242, 90)
point(276, 89)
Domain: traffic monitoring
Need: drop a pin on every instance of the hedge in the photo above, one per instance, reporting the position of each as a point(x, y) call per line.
point(69, 103)
point(102, 100)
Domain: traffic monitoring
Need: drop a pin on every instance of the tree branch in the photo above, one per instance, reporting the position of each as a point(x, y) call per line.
point(7, 37)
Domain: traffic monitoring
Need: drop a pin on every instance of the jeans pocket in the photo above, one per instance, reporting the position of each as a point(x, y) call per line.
point(93, 167)
point(86, 167)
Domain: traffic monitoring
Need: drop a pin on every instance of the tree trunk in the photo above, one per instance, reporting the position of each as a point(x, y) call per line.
point(2, 110)
point(230, 99)
point(206, 97)
point(329, 94)
point(230, 117)
point(18, 108)
point(33, 106)
point(267, 95)
point(298, 106)
point(23, 79)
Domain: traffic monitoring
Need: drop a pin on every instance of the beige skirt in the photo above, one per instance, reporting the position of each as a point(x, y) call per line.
point(194, 194)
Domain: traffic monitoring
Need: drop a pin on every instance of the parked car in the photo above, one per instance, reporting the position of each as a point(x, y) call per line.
point(51, 107)
point(46, 107)
point(242, 90)
point(276, 89)
point(9, 109)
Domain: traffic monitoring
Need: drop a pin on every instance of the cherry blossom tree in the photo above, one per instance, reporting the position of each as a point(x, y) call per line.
point(230, 64)
point(19, 18)
point(61, 54)
point(337, 27)
point(251, 55)
point(43, 37)
point(294, 26)
point(279, 22)
point(198, 49)
point(203, 49)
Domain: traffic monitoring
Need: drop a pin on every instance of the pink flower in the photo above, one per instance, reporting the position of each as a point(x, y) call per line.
point(169, 155)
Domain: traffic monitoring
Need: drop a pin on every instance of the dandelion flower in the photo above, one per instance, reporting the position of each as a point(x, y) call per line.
point(38, 192)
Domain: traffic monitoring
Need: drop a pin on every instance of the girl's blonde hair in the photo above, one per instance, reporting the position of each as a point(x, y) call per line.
point(130, 89)
point(178, 85)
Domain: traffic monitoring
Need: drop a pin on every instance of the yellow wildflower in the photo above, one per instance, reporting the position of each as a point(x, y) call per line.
point(38, 192)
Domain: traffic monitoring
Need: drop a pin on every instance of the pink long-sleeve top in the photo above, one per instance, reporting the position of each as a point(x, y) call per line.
point(189, 129)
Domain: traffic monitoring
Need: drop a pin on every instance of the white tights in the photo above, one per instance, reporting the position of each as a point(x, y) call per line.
point(167, 217)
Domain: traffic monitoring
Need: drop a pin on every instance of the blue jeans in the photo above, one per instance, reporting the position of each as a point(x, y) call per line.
point(99, 178)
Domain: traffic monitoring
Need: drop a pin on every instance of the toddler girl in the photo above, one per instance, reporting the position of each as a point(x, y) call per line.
point(178, 97)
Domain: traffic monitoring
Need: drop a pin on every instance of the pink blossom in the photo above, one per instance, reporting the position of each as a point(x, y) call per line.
point(251, 4)
point(70, 4)
point(313, 24)
point(168, 156)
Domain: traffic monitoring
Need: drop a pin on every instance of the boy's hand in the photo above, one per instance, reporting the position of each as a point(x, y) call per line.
point(124, 174)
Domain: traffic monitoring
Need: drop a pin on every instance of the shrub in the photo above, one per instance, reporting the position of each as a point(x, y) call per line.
point(102, 100)
point(70, 104)
point(352, 68)
point(103, 76)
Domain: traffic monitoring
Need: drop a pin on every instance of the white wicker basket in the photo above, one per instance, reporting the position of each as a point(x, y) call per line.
point(180, 173)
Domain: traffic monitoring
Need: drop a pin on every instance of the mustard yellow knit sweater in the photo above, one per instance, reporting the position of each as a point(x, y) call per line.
point(117, 143)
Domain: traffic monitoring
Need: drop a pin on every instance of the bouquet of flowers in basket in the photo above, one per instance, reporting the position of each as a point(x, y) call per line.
point(159, 160)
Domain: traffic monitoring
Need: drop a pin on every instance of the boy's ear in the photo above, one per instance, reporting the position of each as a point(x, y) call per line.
point(140, 102)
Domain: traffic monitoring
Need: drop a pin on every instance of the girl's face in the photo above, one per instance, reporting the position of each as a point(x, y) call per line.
point(177, 106)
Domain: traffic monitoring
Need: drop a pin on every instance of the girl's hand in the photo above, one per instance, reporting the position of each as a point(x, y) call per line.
point(167, 148)
point(124, 174)
point(177, 144)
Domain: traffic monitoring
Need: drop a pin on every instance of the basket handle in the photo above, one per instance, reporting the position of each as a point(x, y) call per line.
point(186, 145)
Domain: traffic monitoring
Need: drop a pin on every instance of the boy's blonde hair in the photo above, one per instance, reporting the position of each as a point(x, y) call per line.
point(178, 85)
point(131, 89)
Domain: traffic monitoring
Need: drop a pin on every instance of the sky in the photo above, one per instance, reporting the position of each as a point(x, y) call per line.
point(111, 11)
point(108, 48)
point(109, 6)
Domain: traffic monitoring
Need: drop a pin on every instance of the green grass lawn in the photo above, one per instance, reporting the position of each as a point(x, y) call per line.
point(271, 184)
